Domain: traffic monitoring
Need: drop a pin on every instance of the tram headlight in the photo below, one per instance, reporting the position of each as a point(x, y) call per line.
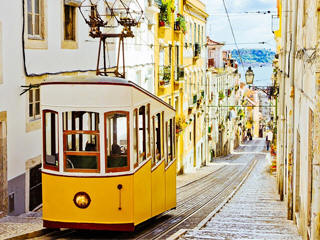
point(82, 200)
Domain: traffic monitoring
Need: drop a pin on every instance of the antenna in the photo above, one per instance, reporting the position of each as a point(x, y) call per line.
point(115, 15)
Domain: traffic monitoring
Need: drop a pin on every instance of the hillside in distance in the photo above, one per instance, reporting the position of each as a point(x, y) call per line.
point(254, 56)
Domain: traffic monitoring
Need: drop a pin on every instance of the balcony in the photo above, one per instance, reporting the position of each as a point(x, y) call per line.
point(193, 102)
point(179, 74)
point(196, 51)
point(211, 63)
point(195, 98)
point(164, 75)
point(178, 78)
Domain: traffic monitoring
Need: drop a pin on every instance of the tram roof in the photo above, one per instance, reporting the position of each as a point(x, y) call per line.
point(100, 80)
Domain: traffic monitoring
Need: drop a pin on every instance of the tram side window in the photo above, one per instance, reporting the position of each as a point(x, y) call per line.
point(117, 141)
point(174, 138)
point(142, 133)
point(169, 141)
point(135, 137)
point(148, 131)
point(158, 151)
point(51, 151)
point(152, 140)
point(81, 141)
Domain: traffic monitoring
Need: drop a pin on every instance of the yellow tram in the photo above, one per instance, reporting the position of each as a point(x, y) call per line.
point(109, 158)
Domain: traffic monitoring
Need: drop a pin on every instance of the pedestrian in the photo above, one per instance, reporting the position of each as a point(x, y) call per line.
point(267, 142)
point(269, 139)
point(249, 134)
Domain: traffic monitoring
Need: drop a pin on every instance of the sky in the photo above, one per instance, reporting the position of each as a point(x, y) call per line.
point(248, 28)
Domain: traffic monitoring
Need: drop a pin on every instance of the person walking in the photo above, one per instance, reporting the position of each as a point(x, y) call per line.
point(269, 138)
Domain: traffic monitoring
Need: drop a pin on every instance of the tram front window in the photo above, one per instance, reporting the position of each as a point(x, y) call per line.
point(51, 151)
point(81, 141)
point(117, 141)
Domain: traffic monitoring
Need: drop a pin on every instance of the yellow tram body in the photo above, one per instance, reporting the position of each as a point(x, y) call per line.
point(106, 196)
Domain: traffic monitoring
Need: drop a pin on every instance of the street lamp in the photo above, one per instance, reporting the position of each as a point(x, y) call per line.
point(249, 76)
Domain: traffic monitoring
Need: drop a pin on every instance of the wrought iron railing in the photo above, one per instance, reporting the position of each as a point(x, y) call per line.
point(164, 75)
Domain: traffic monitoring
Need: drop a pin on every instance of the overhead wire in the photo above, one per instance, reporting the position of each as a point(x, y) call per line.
point(233, 35)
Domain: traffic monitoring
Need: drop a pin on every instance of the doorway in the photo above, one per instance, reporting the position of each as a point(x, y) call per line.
point(35, 190)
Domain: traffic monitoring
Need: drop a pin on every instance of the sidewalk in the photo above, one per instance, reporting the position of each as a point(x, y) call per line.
point(24, 226)
point(29, 225)
point(255, 212)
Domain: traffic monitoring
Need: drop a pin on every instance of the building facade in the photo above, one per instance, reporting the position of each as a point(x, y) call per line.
point(297, 73)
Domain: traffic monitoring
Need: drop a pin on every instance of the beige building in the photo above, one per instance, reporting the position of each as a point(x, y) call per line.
point(298, 139)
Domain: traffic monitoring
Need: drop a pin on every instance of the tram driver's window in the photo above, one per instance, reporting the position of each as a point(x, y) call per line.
point(51, 151)
point(81, 141)
point(117, 140)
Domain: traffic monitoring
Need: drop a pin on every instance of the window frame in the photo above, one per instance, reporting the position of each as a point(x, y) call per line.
point(117, 169)
point(65, 134)
point(33, 14)
point(68, 43)
point(45, 165)
point(38, 41)
point(33, 103)
point(142, 157)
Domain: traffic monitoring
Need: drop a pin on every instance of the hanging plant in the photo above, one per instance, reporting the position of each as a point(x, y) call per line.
point(221, 95)
point(221, 127)
point(229, 92)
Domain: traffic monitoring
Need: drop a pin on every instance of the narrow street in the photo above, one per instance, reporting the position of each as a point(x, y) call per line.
point(197, 199)
point(255, 212)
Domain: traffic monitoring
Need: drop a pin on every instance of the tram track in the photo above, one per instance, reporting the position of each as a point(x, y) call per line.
point(195, 201)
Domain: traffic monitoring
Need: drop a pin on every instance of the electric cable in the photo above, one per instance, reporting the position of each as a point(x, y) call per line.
point(233, 35)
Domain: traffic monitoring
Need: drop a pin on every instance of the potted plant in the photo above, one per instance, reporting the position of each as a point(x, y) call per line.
point(166, 9)
point(180, 23)
point(241, 113)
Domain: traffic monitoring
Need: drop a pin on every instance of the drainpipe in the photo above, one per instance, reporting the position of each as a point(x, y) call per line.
point(281, 156)
point(292, 112)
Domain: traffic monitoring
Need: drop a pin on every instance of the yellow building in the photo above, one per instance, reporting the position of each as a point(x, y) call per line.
point(180, 74)
point(194, 60)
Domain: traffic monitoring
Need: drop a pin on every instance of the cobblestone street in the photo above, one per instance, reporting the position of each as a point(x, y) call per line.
point(255, 212)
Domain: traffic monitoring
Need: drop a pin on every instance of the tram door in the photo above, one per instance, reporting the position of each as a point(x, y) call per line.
point(35, 192)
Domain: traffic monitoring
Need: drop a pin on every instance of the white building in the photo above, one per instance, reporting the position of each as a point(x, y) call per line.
point(38, 39)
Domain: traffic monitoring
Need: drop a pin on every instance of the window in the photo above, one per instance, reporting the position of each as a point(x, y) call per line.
point(170, 54)
point(190, 33)
point(195, 33)
point(158, 137)
point(69, 23)
point(50, 140)
point(34, 10)
point(81, 141)
point(142, 134)
point(170, 141)
point(152, 141)
point(34, 103)
point(117, 147)
point(148, 132)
